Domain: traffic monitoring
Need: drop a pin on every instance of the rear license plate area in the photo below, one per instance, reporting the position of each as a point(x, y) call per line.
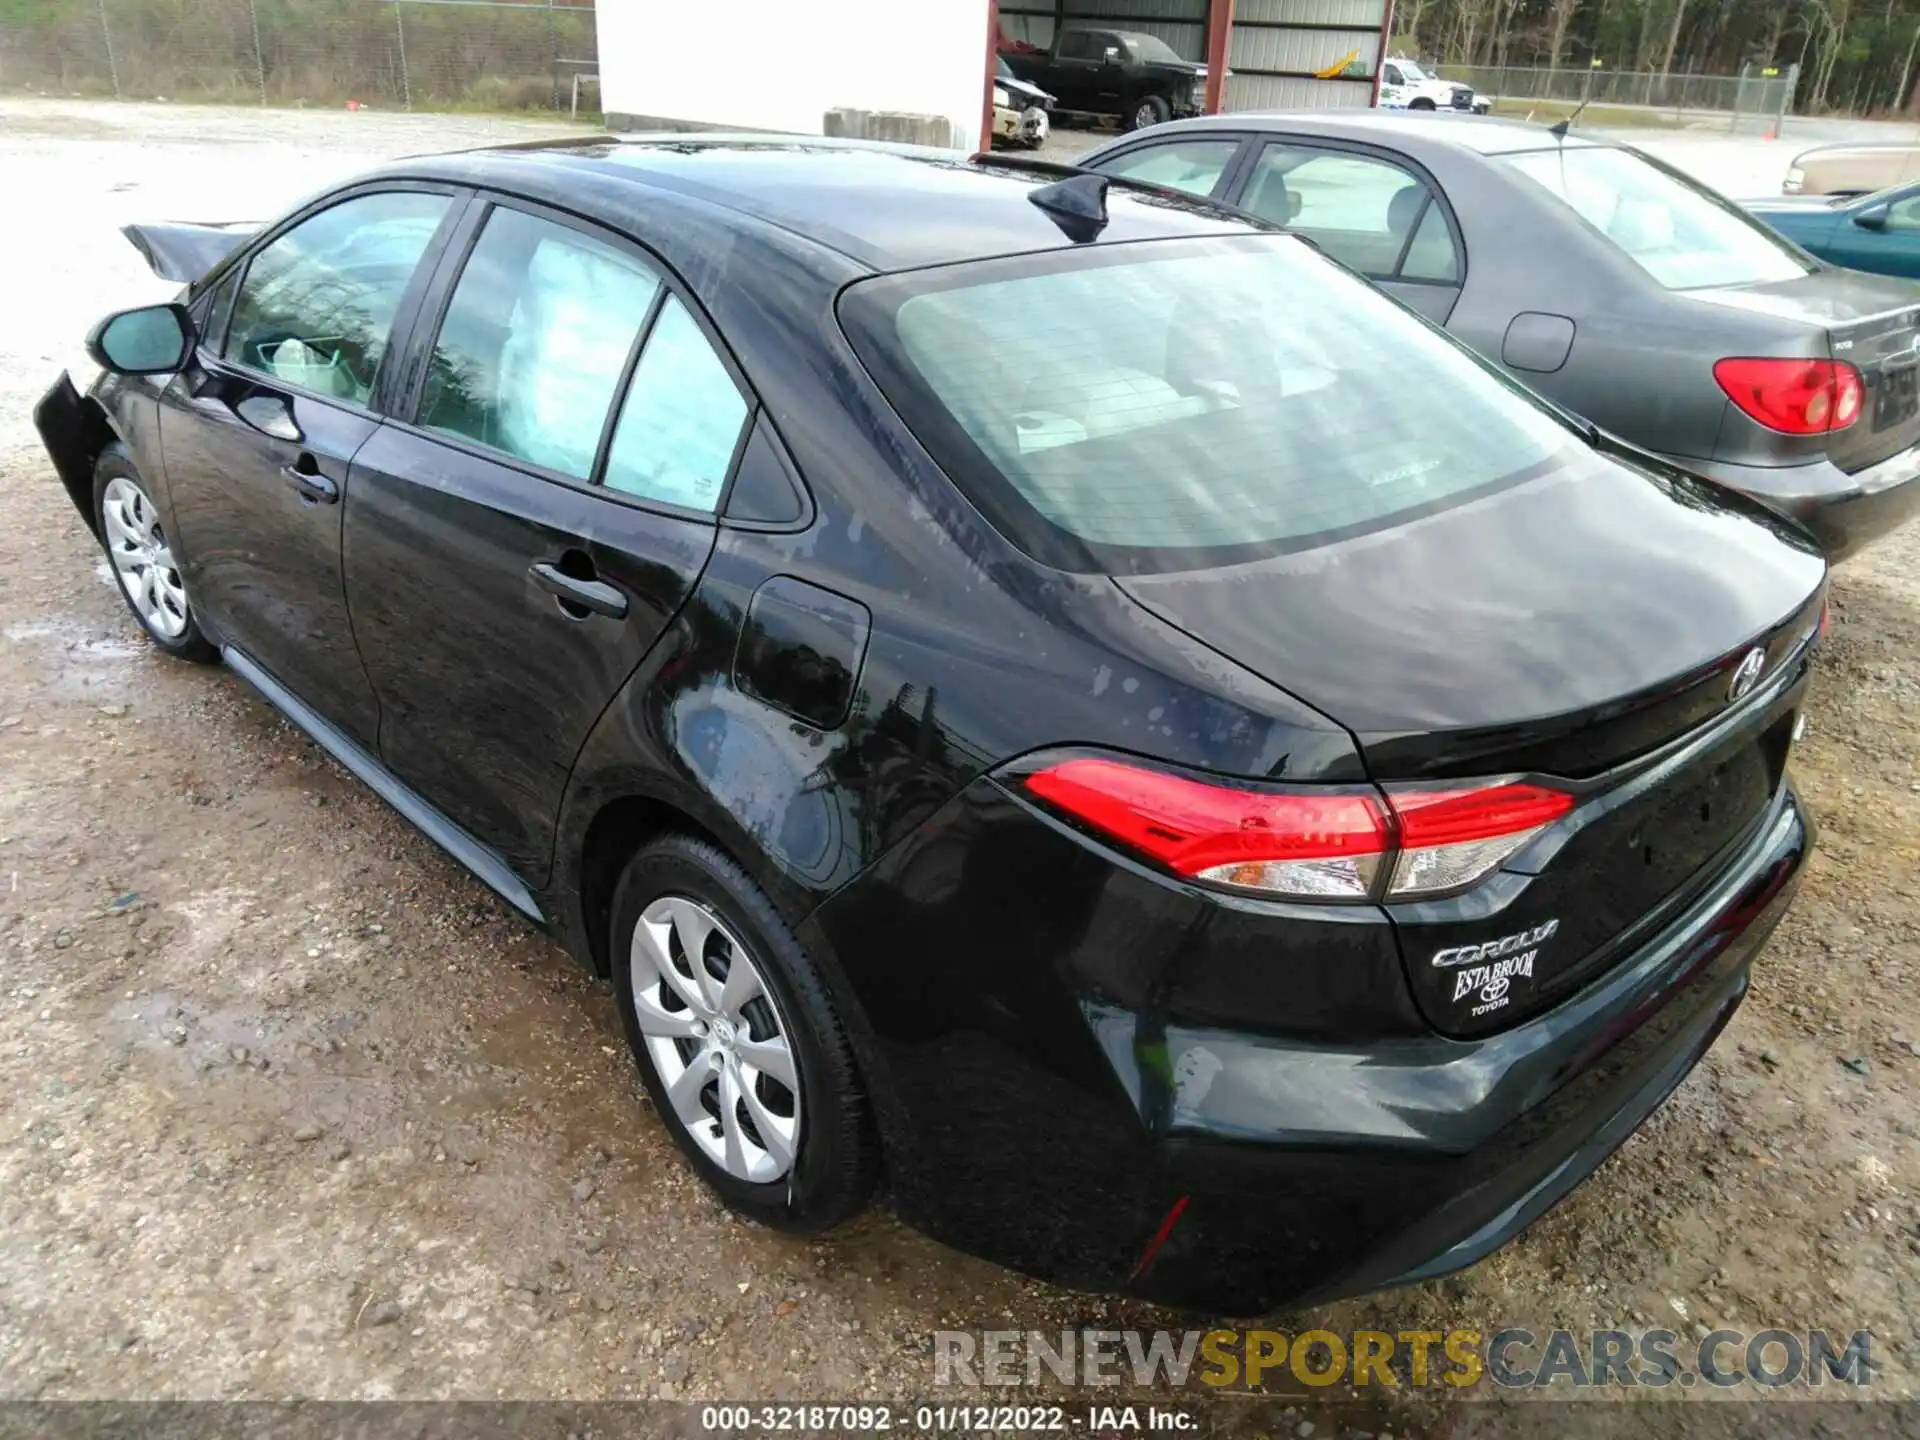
point(1896, 399)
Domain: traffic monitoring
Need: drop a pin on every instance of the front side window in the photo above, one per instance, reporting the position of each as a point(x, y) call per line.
point(1360, 210)
point(534, 341)
point(1156, 406)
point(1904, 214)
point(681, 421)
point(316, 308)
point(1194, 166)
point(1685, 237)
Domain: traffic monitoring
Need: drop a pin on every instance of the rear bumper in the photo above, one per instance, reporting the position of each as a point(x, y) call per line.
point(1844, 511)
point(1444, 1151)
point(1038, 1114)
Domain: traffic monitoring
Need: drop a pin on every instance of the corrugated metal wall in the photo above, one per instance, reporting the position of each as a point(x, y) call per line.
point(1277, 47)
point(1181, 23)
point(1280, 46)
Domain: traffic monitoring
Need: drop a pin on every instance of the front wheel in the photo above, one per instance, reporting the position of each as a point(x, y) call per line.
point(144, 565)
point(1150, 110)
point(738, 1041)
point(1421, 104)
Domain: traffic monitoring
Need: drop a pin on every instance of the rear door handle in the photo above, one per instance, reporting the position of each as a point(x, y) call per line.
point(595, 595)
point(308, 483)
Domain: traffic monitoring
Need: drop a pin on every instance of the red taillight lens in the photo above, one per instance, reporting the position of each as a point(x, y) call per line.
point(1795, 397)
point(1450, 838)
point(1309, 843)
point(1298, 843)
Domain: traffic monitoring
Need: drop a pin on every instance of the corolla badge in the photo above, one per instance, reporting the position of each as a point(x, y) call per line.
point(1747, 674)
point(1484, 974)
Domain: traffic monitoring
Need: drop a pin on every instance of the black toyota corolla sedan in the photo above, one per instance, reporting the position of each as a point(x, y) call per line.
point(1046, 699)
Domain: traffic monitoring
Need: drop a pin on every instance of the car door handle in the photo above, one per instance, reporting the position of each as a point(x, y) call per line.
point(309, 484)
point(595, 595)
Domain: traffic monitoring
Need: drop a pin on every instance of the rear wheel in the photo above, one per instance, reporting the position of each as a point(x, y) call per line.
point(1421, 104)
point(144, 565)
point(1149, 110)
point(738, 1041)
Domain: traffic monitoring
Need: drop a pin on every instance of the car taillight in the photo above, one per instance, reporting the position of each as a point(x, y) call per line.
point(1308, 843)
point(1795, 397)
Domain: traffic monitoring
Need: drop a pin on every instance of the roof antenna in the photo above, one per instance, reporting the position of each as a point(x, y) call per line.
point(1559, 128)
point(1078, 205)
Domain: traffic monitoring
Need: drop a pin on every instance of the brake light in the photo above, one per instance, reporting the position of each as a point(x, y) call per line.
point(1309, 844)
point(1795, 397)
point(1450, 838)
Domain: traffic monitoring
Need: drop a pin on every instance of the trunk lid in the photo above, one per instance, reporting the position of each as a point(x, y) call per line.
point(1564, 625)
point(1870, 321)
point(1588, 626)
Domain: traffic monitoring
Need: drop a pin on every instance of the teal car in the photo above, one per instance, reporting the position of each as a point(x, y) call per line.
point(1878, 232)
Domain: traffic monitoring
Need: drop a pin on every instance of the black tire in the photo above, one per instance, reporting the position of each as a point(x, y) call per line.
point(1148, 111)
point(116, 464)
point(1421, 104)
point(837, 1159)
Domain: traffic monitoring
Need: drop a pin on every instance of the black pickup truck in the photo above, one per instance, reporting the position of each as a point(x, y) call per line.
point(1122, 73)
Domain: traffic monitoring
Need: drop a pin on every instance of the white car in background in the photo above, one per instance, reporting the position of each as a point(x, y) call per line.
point(1405, 86)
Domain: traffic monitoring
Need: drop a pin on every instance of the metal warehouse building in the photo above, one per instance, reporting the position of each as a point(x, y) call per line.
point(784, 64)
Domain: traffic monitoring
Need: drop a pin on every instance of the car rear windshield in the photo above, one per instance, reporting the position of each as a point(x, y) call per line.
point(1170, 404)
point(1685, 237)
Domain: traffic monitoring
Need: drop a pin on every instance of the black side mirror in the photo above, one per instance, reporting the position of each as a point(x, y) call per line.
point(1112, 56)
point(153, 340)
point(1873, 218)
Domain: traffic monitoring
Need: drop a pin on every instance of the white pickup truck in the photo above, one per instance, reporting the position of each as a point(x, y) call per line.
point(1405, 86)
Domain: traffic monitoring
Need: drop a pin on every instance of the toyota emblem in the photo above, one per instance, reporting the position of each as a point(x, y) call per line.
point(1747, 674)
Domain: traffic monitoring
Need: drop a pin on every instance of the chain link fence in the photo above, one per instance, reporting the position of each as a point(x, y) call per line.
point(400, 54)
point(1758, 99)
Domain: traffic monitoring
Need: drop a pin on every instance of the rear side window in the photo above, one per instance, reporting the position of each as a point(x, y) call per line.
point(682, 419)
point(1160, 406)
point(534, 341)
point(316, 308)
point(1194, 166)
point(1432, 255)
point(1360, 210)
point(1683, 236)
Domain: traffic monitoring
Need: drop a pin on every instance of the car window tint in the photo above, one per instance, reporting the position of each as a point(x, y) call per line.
point(534, 340)
point(1077, 45)
point(1359, 210)
point(1171, 399)
point(1683, 236)
point(1190, 165)
point(1393, 76)
point(681, 420)
point(316, 308)
point(1432, 256)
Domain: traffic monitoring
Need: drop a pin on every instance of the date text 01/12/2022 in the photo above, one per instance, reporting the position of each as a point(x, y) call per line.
point(943, 1419)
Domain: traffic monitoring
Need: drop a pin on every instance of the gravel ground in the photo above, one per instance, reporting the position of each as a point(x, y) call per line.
point(290, 1106)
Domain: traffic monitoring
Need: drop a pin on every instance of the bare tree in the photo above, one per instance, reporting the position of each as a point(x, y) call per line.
point(1673, 36)
point(1562, 18)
